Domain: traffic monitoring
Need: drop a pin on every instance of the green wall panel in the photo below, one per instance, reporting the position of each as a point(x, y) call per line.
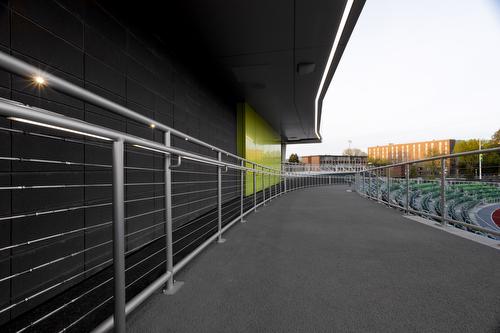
point(259, 143)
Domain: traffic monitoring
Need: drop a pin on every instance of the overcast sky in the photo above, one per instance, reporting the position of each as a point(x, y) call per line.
point(414, 71)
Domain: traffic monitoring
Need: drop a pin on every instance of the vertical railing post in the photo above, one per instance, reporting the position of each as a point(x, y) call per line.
point(171, 287)
point(119, 236)
point(363, 183)
point(377, 175)
point(254, 188)
point(285, 183)
point(269, 184)
point(407, 175)
point(388, 184)
point(263, 187)
point(219, 200)
point(242, 191)
point(369, 184)
point(443, 185)
point(276, 182)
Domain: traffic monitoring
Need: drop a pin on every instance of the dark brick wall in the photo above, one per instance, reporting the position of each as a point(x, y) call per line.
point(87, 45)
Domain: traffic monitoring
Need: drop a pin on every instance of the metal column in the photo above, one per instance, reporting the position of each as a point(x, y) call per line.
point(443, 185)
point(119, 236)
point(219, 201)
point(171, 287)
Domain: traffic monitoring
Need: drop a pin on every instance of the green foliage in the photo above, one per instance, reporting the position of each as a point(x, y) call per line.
point(495, 138)
point(432, 169)
point(294, 158)
point(413, 171)
point(468, 165)
point(378, 161)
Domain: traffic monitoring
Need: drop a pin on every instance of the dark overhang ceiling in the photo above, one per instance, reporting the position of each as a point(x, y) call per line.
point(257, 48)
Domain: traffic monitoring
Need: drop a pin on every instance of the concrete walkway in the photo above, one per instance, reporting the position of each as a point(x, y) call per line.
point(326, 260)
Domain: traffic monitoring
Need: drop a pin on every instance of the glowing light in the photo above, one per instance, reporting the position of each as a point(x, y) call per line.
point(333, 50)
point(39, 80)
point(152, 125)
point(58, 128)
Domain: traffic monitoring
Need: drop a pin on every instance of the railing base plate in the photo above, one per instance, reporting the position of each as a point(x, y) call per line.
point(175, 288)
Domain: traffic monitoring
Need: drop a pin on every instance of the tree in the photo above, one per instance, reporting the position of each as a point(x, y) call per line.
point(467, 165)
point(378, 162)
point(495, 138)
point(294, 158)
point(353, 152)
point(432, 168)
point(491, 161)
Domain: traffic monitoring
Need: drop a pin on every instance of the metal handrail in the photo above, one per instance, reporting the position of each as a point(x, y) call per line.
point(44, 118)
point(442, 195)
point(24, 69)
point(13, 109)
point(286, 182)
point(435, 158)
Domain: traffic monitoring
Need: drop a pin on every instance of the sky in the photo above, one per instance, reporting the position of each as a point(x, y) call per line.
point(414, 71)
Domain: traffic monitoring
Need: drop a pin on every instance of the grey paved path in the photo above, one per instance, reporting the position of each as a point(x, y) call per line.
point(325, 260)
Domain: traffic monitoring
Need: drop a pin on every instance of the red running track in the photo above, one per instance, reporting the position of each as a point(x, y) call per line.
point(496, 217)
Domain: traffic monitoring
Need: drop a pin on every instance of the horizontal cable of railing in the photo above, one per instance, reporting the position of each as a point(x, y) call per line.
point(439, 191)
point(114, 212)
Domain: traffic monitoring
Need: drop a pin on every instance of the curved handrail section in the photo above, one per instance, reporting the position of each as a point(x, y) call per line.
point(376, 183)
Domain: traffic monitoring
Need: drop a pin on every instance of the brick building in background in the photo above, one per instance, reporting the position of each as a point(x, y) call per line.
point(333, 159)
point(401, 152)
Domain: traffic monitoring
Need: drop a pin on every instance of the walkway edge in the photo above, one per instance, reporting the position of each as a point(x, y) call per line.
point(495, 244)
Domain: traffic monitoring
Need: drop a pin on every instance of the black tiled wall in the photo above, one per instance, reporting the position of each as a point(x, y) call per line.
point(86, 45)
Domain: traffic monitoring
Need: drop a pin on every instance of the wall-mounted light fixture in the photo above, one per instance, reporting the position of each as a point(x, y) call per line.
point(39, 80)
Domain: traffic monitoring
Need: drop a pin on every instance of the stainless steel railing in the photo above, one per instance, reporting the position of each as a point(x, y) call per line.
point(327, 168)
point(441, 188)
point(151, 207)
